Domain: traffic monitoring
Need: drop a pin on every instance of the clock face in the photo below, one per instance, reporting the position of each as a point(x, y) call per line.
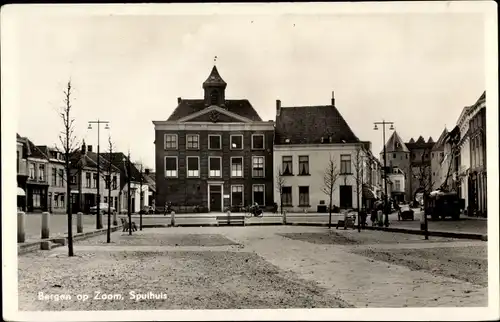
point(214, 116)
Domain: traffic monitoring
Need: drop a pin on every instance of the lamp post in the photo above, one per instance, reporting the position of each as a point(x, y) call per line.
point(386, 212)
point(98, 216)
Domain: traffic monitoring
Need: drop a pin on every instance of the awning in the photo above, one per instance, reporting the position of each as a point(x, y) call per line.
point(20, 192)
point(367, 193)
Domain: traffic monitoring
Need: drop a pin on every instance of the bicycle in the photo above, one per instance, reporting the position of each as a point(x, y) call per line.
point(253, 211)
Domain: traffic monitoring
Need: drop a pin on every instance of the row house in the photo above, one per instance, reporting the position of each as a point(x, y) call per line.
point(306, 139)
point(56, 198)
point(214, 153)
point(32, 179)
point(85, 179)
point(139, 187)
point(465, 155)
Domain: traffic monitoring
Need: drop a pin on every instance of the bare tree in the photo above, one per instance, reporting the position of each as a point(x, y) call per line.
point(141, 193)
point(357, 164)
point(108, 184)
point(67, 140)
point(330, 176)
point(280, 183)
point(455, 149)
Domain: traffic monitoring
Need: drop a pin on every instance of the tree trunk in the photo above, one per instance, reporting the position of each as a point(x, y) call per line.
point(359, 215)
point(330, 213)
point(69, 206)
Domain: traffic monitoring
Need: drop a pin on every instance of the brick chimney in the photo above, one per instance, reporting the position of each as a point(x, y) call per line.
point(89, 148)
point(179, 99)
point(333, 98)
point(278, 107)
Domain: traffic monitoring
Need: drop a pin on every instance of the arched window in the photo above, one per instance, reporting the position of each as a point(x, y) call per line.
point(214, 97)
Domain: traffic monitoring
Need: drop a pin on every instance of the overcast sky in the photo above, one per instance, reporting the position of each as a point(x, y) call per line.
point(417, 70)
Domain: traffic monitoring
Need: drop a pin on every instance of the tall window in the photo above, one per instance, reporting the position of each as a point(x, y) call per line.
point(41, 172)
point(171, 167)
point(237, 195)
point(287, 196)
point(32, 170)
point(303, 165)
point(303, 196)
point(36, 198)
point(258, 141)
point(193, 167)
point(236, 142)
point(193, 141)
point(345, 164)
point(107, 181)
point(258, 167)
point(61, 177)
point(259, 194)
point(17, 161)
point(287, 165)
point(237, 167)
point(54, 176)
point(56, 200)
point(74, 178)
point(397, 185)
point(88, 180)
point(115, 182)
point(170, 141)
point(215, 166)
point(214, 142)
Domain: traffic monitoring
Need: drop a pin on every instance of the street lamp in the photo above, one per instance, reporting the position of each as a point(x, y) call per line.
point(128, 174)
point(98, 216)
point(386, 208)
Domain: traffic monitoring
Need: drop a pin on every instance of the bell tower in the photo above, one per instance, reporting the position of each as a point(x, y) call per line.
point(215, 88)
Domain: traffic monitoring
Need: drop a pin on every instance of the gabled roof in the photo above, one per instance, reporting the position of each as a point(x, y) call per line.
point(439, 145)
point(308, 124)
point(395, 144)
point(214, 79)
point(34, 151)
point(430, 140)
point(411, 140)
point(187, 107)
point(420, 139)
point(117, 159)
point(103, 160)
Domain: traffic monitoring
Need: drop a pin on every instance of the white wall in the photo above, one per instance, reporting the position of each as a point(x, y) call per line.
point(319, 156)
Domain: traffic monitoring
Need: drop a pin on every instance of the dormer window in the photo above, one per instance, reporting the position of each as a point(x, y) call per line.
point(214, 97)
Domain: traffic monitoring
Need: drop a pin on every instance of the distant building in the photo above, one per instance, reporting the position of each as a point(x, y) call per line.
point(437, 156)
point(306, 139)
point(213, 153)
point(420, 178)
point(398, 156)
point(57, 180)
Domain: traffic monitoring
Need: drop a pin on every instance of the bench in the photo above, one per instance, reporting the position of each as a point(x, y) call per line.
point(230, 220)
point(126, 225)
point(348, 223)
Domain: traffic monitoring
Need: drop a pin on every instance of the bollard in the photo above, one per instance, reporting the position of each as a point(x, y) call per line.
point(115, 221)
point(284, 217)
point(229, 217)
point(79, 223)
point(45, 225)
point(172, 218)
point(21, 224)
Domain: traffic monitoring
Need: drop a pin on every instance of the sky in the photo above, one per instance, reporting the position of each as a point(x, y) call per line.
point(417, 70)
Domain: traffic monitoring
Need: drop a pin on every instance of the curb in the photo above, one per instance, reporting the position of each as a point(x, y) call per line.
point(59, 241)
point(434, 233)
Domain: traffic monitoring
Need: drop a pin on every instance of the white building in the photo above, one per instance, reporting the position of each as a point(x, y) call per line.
point(306, 139)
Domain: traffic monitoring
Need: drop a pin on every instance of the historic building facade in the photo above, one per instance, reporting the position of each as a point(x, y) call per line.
point(398, 156)
point(213, 153)
point(306, 139)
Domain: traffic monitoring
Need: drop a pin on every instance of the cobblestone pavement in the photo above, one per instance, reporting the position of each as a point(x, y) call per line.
point(259, 268)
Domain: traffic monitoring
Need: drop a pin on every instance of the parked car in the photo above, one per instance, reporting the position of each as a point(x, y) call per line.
point(147, 210)
point(405, 212)
point(103, 208)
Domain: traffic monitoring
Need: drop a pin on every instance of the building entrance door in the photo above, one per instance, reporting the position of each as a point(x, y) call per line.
point(345, 196)
point(215, 197)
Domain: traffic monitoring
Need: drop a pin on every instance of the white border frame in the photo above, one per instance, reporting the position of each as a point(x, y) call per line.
point(220, 160)
point(165, 141)
point(220, 142)
point(263, 163)
point(199, 144)
point(253, 187)
point(231, 142)
point(165, 166)
point(187, 166)
point(242, 193)
point(242, 167)
point(263, 142)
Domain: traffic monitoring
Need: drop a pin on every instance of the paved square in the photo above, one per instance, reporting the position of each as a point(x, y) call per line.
point(257, 267)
